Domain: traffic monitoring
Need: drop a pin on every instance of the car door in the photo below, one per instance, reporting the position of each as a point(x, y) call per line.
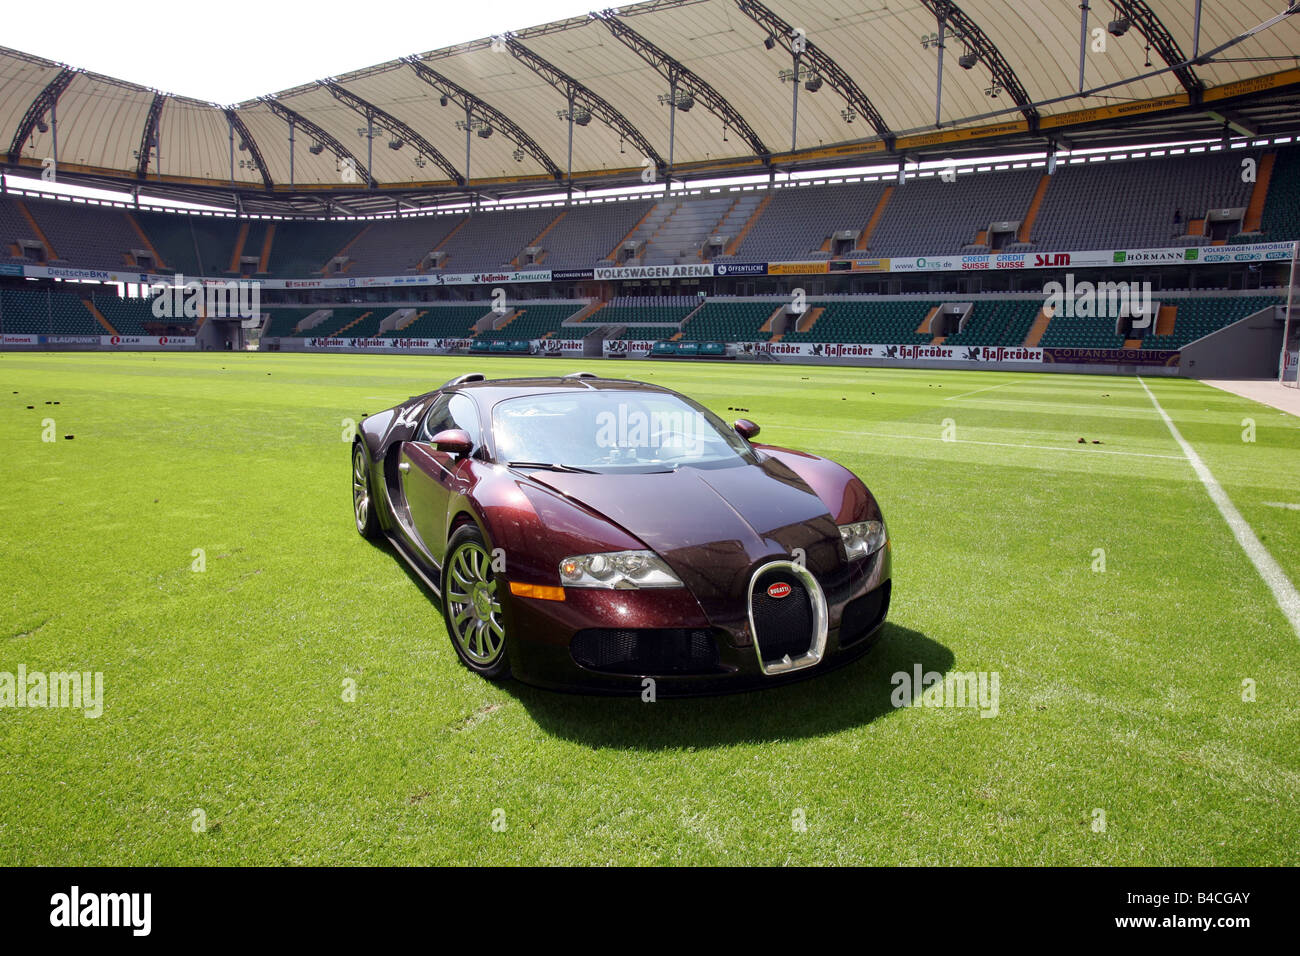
point(430, 477)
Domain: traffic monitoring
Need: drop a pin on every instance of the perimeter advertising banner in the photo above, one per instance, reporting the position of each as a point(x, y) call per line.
point(626, 347)
point(900, 353)
point(1147, 357)
point(148, 341)
point(379, 345)
point(693, 270)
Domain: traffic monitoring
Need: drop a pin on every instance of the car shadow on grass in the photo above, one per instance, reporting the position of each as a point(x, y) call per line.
point(852, 696)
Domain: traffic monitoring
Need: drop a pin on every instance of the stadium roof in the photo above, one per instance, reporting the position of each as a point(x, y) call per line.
point(869, 81)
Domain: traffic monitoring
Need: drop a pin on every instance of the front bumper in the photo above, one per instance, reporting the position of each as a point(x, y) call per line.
point(542, 633)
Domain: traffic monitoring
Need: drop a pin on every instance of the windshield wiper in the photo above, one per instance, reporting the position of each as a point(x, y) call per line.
point(549, 466)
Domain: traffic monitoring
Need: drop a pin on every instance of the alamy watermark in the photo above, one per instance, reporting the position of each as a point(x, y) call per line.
point(684, 431)
point(232, 299)
point(1096, 300)
point(76, 690)
point(973, 689)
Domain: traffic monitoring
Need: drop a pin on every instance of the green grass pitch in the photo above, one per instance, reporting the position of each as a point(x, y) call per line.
point(1121, 690)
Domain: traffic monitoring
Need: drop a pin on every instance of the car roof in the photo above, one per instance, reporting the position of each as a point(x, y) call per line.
point(493, 390)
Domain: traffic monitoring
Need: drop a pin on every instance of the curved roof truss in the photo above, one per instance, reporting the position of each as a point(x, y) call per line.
point(578, 94)
point(682, 77)
point(825, 65)
point(471, 103)
point(43, 103)
point(297, 120)
point(372, 112)
point(977, 41)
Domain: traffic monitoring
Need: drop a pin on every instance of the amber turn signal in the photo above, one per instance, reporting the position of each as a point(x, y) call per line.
point(540, 591)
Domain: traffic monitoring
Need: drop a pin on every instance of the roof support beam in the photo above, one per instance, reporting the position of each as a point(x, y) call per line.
point(969, 32)
point(682, 79)
point(825, 65)
point(1234, 121)
point(149, 136)
point(297, 121)
point(42, 104)
point(1140, 15)
point(372, 112)
point(468, 101)
point(581, 97)
point(246, 139)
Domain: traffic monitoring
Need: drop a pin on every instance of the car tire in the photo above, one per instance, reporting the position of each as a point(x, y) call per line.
point(471, 605)
point(363, 502)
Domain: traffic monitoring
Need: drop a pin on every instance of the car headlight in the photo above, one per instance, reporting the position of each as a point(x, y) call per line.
point(618, 569)
point(863, 538)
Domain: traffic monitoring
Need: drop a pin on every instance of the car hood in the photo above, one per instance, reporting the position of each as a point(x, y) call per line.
point(713, 525)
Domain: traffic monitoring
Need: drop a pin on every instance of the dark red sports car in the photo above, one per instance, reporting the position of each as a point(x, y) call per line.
point(584, 534)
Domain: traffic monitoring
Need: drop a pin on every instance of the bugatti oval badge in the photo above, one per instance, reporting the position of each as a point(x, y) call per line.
point(778, 590)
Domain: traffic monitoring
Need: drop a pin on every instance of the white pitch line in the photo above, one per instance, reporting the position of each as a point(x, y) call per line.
point(1288, 599)
point(978, 390)
point(1282, 504)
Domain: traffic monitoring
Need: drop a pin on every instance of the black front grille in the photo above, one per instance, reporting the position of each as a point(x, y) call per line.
point(782, 625)
point(646, 650)
point(861, 615)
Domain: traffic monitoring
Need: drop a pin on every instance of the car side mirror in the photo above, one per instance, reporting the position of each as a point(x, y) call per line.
point(746, 429)
point(454, 441)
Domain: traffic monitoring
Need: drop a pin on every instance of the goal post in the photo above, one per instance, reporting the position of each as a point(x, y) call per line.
point(1288, 363)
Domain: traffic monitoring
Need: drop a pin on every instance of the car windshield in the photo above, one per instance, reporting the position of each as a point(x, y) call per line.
point(613, 431)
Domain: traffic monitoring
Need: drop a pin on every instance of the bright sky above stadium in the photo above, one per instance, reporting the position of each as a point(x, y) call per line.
point(194, 50)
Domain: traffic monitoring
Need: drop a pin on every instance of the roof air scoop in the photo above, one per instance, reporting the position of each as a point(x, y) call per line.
point(467, 377)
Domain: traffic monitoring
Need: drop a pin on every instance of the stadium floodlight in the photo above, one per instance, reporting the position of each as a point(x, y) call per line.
point(243, 145)
point(769, 42)
point(680, 98)
point(518, 155)
point(968, 60)
point(1118, 28)
point(849, 114)
point(316, 148)
point(395, 143)
point(42, 126)
point(484, 131)
point(442, 100)
point(420, 161)
point(813, 83)
point(582, 116)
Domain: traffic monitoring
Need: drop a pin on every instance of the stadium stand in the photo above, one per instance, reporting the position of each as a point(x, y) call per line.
point(646, 310)
point(799, 221)
point(678, 230)
point(998, 323)
point(531, 322)
point(283, 322)
point(1197, 318)
point(305, 248)
point(443, 322)
point(45, 312)
point(1098, 205)
point(14, 228)
point(1138, 203)
point(1081, 333)
point(90, 236)
point(129, 316)
point(887, 322)
point(587, 235)
point(491, 240)
point(1281, 218)
point(396, 246)
point(932, 215)
point(720, 320)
